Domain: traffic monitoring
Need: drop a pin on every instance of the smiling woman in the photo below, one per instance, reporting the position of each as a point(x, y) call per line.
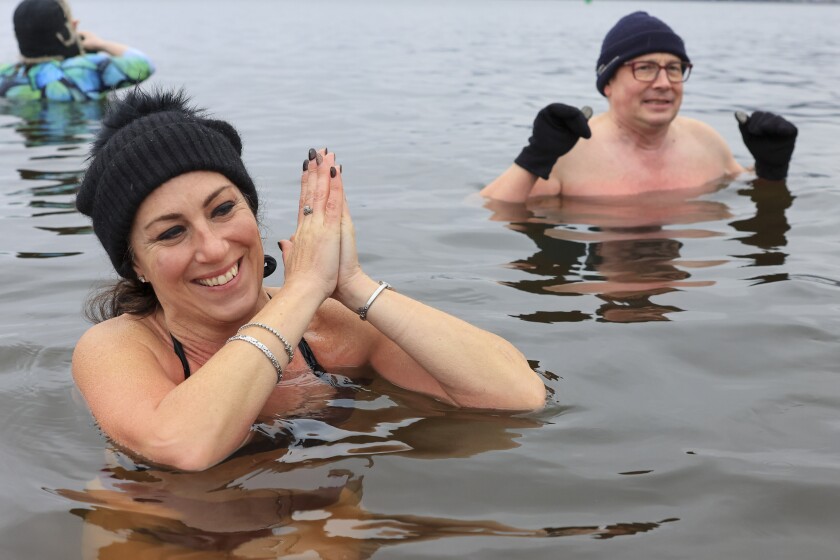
point(190, 348)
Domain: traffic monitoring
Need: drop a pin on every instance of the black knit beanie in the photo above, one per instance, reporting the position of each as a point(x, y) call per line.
point(44, 28)
point(634, 35)
point(147, 139)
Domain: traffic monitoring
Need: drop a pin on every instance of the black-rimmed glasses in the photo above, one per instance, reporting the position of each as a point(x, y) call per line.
point(648, 70)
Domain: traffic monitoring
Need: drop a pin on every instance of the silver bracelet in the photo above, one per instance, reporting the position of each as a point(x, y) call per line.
point(363, 311)
point(268, 353)
point(290, 350)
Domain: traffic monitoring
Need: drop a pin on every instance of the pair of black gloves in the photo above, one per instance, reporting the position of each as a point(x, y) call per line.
point(557, 128)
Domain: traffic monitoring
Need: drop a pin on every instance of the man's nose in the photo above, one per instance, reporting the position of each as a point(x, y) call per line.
point(661, 79)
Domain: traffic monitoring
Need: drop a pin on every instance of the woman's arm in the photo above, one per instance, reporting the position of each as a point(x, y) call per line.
point(427, 350)
point(424, 349)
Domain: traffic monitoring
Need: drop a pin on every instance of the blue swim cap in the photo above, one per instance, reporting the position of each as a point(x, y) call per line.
point(634, 35)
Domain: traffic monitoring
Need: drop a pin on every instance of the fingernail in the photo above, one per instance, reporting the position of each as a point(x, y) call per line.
point(318, 158)
point(312, 153)
point(305, 164)
point(340, 168)
point(279, 246)
point(332, 172)
point(326, 151)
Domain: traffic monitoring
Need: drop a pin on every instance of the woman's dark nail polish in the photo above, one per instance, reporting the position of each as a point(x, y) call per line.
point(326, 151)
point(340, 168)
point(318, 158)
point(332, 172)
point(305, 164)
point(279, 246)
point(312, 153)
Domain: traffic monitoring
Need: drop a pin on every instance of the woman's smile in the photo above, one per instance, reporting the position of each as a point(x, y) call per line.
point(221, 279)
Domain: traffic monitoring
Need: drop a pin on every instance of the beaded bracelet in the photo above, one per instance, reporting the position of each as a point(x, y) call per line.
point(290, 351)
point(363, 311)
point(265, 350)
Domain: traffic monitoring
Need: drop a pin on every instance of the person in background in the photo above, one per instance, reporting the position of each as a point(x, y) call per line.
point(640, 144)
point(191, 346)
point(60, 63)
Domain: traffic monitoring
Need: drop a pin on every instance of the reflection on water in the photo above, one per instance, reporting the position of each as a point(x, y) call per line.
point(766, 230)
point(299, 490)
point(66, 128)
point(715, 404)
point(54, 124)
point(627, 250)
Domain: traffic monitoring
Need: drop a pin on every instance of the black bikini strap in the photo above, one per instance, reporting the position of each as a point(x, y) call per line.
point(309, 355)
point(305, 350)
point(303, 346)
point(179, 351)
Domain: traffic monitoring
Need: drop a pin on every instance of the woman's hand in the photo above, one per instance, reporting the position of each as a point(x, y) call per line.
point(353, 283)
point(312, 255)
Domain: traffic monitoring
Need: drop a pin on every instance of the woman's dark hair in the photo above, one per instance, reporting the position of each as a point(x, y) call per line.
point(124, 296)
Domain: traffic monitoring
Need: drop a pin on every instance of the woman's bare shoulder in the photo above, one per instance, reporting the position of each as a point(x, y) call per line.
point(115, 331)
point(113, 342)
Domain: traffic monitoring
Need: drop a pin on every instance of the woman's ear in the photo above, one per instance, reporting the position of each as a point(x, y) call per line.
point(139, 272)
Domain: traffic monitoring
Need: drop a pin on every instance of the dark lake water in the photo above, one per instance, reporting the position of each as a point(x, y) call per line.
point(691, 342)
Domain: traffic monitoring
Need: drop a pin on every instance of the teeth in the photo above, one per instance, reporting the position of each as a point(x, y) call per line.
point(221, 280)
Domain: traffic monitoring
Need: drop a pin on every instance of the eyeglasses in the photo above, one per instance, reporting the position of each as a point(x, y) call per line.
point(648, 70)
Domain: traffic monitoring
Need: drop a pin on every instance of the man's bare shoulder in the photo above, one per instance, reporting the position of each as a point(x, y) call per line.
point(707, 140)
point(692, 154)
point(697, 129)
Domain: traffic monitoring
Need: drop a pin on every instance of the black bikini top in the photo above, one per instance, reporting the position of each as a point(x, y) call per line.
point(303, 346)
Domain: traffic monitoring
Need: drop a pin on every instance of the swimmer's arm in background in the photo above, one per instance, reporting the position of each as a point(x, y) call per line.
point(94, 43)
point(125, 65)
point(557, 128)
point(770, 138)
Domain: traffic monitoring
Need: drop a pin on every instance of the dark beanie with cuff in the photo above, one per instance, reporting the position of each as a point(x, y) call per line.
point(634, 35)
point(146, 140)
point(44, 28)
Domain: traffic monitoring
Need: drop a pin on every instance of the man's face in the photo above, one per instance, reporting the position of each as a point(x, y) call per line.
point(645, 104)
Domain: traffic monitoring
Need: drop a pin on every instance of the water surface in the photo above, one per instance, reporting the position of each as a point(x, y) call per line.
point(690, 340)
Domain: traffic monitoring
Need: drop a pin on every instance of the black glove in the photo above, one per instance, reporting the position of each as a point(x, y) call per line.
point(770, 139)
point(557, 129)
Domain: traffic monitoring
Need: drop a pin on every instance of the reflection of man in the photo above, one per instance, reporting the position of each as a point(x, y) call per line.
point(640, 144)
point(623, 250)
point(627, 250)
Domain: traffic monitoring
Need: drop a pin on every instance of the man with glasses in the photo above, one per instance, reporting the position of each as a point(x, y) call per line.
point(640, 144)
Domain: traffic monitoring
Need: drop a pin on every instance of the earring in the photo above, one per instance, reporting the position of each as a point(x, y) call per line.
point(142, 279)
